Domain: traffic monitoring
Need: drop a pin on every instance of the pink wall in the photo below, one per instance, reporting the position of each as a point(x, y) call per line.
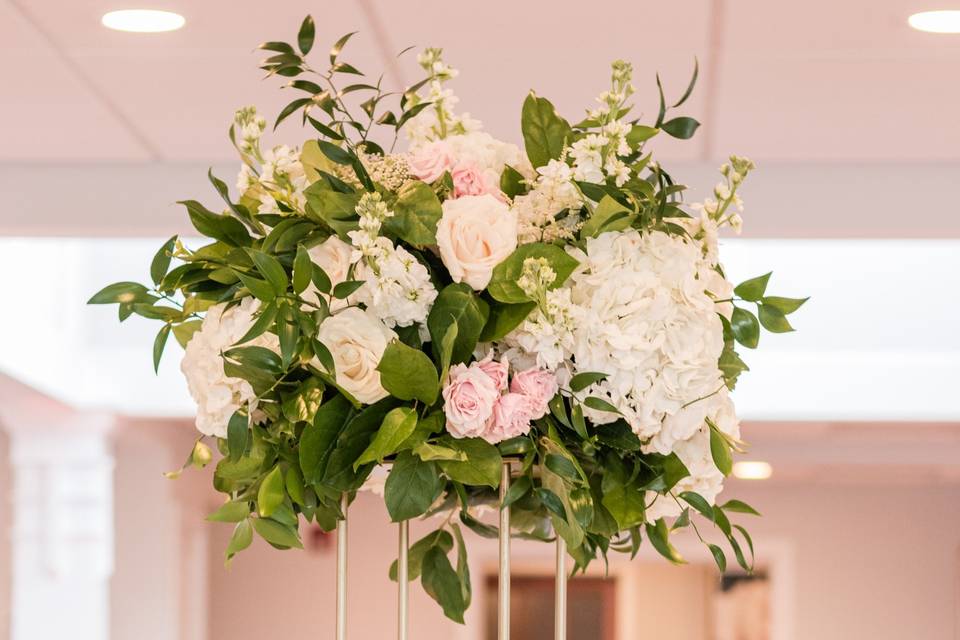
point(876, 562)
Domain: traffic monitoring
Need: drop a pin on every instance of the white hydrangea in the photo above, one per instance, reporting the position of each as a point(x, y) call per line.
point(647, 322)
point(217, 395)
point(694, 451)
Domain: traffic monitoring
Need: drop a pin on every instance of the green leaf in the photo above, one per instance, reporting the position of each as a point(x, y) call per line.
point(256, 357)
point(408, 374)
point(518, 488)
point(693, 83)
point(511, 182)
point(336, 153)
point(351, 442)
point(544, 132)
point(161, 261)
point(261, 289)
point(442, 584)
point(754, 288)
point(238, 430)
point(720, 451)
point(774, 320)
point(463, 566)
point(439, 538)
point(333, 208)
point(682, 128)
point(427, 451)
point(659, 536)
point(320, 279)
point(599, 404)
point(272, 270)
point(158, 345)
point(640, 133)
point(121, 292)
point(303, 403)
point(609, 215)
point(561, 466)
point(738, 506)
point(219, 227)
point(397, 427)
point(184, 331)
point(577, 421)
point(482, 466)
point(302, 270)
point(581, 503)
point(271, 494)
point(457, 303)
point(411, 487)
point(305, 35)
point(416, 213)
point(277, 534)
point(233, 511)
point(619, 435)
point(503, 283)
point(745, 327)
point(293, 482)
point(317, 440)
point(718, 556)
point(240, 540)
point(552, 502)
point(347, 288)
point(784, 305)
point(584, 379)
point(698, 502)
point(504, 318)
point(338, 46)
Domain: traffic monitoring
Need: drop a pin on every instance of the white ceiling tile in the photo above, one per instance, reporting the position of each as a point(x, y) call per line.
point(47, 110)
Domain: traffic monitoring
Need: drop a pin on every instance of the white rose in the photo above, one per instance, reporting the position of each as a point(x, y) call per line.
point(357, 341)
point(475, 234)
point(334, 256)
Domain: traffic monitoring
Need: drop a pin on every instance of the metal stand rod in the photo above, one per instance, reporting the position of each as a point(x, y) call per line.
point(503, 592)
point(560, 596)
point(342, 570)
point(403, 609)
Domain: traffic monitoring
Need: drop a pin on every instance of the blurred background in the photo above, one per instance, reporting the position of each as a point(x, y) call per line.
point(854, 421)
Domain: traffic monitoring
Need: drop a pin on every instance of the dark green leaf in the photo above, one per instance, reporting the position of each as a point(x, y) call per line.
point(584, 379)
point(302, 270)
point(338, 46)
point(682, 127)
point(439, 538)
point(411, 487)
point(122, 292)
point(561, 466)
point(659, 536)
point(408, 374)
point(504, 318)
point(397, 426)
point(416, 212)
point(238, 430)
point(739, 506)
point(457, 303)
point(599, 404)
point(305, 35)
point(441, 582)
point(518, 488)
point(719, 557)
point(698, 502)
point(317, 441)
point(544, 132)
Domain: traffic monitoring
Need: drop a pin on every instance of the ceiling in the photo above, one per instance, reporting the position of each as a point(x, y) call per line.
point(795, 82)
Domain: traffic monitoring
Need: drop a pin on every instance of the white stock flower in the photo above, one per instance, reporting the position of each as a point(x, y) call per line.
point(475, 233)
point(552, 192)
point(217, 395)
point(356, 341)
point(397, 289)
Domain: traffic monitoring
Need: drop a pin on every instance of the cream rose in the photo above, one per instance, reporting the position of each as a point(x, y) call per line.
point(333, 255)
point(357, 341)
point(475, 234)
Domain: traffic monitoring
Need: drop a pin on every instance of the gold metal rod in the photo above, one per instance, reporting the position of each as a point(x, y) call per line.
point(503, 592)
point(560, 596)
point(342, 570)
point(403, 604)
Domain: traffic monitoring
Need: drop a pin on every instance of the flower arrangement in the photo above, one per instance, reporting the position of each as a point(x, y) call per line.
point(463, 302)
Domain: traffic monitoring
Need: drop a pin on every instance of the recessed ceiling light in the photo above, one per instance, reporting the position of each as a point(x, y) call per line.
point(752, 470)
point(936, 21)
point(143, 20)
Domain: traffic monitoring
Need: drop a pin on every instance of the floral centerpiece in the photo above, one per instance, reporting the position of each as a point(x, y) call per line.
point(455, 304)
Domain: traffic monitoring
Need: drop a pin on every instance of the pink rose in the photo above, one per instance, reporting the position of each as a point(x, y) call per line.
point(471, 180)
point(469, 397)
point(496, 370)
point(428, 162)
point(511, 417)
point(539, 385)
